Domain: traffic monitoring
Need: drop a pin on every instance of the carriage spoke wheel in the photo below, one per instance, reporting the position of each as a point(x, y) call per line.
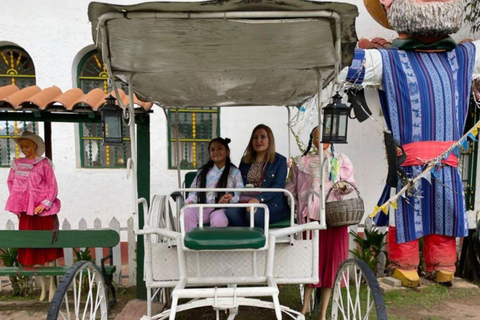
point(81, 294)
point(357, 294)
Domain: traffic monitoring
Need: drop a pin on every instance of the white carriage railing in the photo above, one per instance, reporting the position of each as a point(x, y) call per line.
point(259, 285)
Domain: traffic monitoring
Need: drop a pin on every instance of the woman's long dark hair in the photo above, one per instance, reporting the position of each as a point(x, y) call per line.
point(222, 182)
point(310, 142)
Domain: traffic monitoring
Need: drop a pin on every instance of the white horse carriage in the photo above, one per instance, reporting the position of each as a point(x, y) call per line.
point(218, 53)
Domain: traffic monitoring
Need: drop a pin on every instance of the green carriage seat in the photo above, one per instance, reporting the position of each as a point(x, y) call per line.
point(224, 238)
point(189, 176)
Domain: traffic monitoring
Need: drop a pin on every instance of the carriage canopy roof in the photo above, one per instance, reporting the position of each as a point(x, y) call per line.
point(223, 53)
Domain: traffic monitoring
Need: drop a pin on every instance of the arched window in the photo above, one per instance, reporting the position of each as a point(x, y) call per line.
point(16, 67)
point(91, 74)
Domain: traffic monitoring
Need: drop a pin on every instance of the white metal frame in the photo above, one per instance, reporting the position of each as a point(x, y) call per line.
point(231, 297)
point(103, 30)
point(221, 298)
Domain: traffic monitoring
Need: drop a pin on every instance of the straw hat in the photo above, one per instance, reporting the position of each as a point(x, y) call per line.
point(377, 12)
point(28, 135)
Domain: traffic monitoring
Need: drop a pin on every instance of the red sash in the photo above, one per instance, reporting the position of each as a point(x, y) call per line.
point(419, 153)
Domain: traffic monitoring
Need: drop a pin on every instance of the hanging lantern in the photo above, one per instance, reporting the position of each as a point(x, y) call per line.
point(335, 121)
point(112, 122)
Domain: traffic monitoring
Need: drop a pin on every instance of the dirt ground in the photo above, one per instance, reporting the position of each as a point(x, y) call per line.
point(434, 302)
point(31, 309)
point(453, 304)
point(467, 308)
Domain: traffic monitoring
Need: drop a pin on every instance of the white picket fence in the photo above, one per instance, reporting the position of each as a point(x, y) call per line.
point(114, 224)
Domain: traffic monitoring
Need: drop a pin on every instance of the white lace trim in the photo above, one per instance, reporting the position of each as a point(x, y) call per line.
point(22, 173)
point(47, 203)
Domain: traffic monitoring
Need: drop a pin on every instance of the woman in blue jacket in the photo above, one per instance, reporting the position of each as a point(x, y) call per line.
point(261, 167)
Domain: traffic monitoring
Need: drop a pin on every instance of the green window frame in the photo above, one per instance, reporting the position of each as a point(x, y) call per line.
point(469, 160)
point(16, 67)
point(92, 74)
point(196, 127)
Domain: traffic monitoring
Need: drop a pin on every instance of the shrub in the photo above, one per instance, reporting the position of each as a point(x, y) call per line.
point(21, 285)
point(369, 247)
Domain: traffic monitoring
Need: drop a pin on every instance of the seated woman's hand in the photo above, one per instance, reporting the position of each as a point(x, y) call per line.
point(226, 198)
point(254, 200)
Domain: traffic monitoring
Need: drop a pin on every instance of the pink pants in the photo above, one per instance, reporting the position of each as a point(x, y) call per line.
point(214, 216)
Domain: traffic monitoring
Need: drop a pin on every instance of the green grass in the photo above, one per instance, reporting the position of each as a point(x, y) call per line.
point(7, 296)
point(427, 298)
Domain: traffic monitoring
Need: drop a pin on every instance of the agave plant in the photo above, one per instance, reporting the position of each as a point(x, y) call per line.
point(21, 285)
point(82, 255)
point(369, 247)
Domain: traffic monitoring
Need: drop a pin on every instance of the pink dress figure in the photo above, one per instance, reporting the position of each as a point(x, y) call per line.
point(33, 198)
point(333, 246)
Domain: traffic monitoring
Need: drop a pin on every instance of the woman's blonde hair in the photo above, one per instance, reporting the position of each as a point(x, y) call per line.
point(250, 154)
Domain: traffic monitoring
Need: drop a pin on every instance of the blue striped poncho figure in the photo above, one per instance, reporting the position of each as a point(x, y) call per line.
point(424, 84)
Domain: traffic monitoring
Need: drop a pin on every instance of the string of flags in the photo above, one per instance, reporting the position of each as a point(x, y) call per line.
point(430, 171)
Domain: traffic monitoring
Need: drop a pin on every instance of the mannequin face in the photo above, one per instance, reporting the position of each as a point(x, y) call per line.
point(427, 18)
point(316, 141)
point(28, 147)
point(316, 138)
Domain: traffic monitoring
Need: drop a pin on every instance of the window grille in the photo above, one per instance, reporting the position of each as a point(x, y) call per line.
point(16, 67)
point(92, 74)
point(196, 127)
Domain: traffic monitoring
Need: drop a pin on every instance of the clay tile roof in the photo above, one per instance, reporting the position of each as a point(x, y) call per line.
point(41, 99)
point(68, 98)
point(15, 99)
point(8, 90)
point(33, 96)
point(126, 100)
point(93, 99)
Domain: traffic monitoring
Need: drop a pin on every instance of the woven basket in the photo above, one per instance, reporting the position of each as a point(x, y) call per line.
point(344, 212)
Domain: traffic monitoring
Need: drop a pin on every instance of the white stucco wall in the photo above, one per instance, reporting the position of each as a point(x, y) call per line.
point(55, 31)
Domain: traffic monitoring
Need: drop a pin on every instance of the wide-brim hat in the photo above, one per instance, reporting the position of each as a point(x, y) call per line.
point(376, 10)
point(28, 135)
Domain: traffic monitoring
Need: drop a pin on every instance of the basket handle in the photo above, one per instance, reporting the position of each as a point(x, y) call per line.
point(328, 194)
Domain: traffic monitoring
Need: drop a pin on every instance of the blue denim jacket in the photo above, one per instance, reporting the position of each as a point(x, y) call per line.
point(274, 177)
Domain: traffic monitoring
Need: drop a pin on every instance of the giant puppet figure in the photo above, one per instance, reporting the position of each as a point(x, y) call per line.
point(424, 85)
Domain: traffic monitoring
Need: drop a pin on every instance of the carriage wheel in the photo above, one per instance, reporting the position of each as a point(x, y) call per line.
point(81, 294)
point(356, 293)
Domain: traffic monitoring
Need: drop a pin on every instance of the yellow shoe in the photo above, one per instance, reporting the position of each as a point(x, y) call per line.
point(409, 278)
point(444, 277)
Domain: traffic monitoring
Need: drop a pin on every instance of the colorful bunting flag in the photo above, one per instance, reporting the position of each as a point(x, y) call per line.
point(475, 131)
point(472, 136)
point(384, 208)
point(375, 212)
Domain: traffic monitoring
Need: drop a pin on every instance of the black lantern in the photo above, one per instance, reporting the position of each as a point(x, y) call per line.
point(112, 122)
point(335, 121)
